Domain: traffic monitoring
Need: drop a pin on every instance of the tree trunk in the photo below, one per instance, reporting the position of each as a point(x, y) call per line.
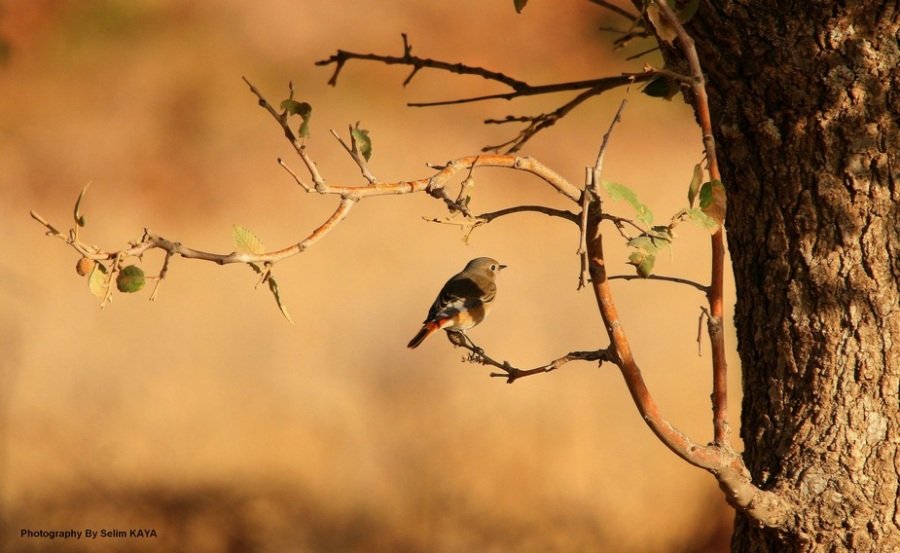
point(805, 100)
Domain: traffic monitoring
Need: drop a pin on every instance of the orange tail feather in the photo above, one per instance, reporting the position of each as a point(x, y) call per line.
point(428, 329)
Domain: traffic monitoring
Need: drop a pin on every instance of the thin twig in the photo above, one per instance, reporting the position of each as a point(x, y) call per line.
point(617, 10)
point(519, 88)
point(703, 288)
point(562, 213)
point(349, 197)
point(599, 85)
point(598, 164)
point(591, 195)
point(584, 275)
point(356, 155)
point(539, 122)
point(343, 56)
point(511, 373)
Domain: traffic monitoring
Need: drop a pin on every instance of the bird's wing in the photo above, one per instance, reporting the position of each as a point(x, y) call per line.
point(459, 294)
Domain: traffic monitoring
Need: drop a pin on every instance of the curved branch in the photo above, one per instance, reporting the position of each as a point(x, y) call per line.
point(674, 439)
point(715, 294)
point(678, 280)
point(767, 508)
point(562, 213)
point(510, 373)
point(151, 241)
point(435, 185)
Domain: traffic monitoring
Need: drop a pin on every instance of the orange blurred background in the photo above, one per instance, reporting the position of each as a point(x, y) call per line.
point(206, 416)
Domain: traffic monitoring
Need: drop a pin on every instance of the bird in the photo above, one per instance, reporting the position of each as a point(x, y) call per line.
point(464, 301)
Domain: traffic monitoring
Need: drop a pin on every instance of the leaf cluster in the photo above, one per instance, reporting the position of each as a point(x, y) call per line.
point(654, 239)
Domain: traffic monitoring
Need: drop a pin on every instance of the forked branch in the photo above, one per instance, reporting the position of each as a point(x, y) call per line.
point(534, 123)
point(511, 373)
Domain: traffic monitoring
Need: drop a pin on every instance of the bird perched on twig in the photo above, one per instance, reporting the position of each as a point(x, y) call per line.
point(464, 301)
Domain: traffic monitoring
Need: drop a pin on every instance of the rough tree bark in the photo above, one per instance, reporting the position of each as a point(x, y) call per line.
point(805, 98)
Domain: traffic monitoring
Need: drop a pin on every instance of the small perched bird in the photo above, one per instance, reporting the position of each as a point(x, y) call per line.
point(464, 301)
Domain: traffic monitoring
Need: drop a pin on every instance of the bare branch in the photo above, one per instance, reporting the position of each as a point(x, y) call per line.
point(715, 295)
point(583, 274)
point(591, 194)
point(297, 179)
point(703, 288)
point(353, 150)
point(435, 185)
point(490, 216)
point(350, 195)
point(598, 85)
point(674, 439)
point(510, 373)
point(598, 165)
point(632, 18)
point(519, 88)
point(343, 56)
point(539, 122)
point(642, 53)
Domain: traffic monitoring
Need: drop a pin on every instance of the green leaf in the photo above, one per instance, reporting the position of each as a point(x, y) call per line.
point(653, 240)
point(79, 219)
point(706, 194)
point(273, 287)
point(688, 12)
point(362, 141)
point(643, 243)
point(664, 31)
point(643, 262)
point(520, 5)
point(695, 184)
point(97, 282)
point(618, 191)
point(696, 216)
point(293, 107)
point(303, 130)
point(130, 279)
point(303, 109)
point(713, 201)
point(245, 241)
point(646, 246)
point(661, 87)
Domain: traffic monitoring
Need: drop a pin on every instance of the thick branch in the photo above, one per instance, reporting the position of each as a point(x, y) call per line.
point(767, 508)
point(715, 294)
point(670, 436)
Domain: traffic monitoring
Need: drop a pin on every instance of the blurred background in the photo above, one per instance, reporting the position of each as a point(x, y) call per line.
point(207, 417)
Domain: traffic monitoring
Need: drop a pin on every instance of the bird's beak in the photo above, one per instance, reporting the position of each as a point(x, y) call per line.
point(501, 267)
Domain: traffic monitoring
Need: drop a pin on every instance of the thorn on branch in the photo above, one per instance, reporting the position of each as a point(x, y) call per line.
point(412, 74)
point(407, 47)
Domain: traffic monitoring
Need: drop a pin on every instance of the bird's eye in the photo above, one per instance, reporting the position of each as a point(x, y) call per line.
point(493, 267)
